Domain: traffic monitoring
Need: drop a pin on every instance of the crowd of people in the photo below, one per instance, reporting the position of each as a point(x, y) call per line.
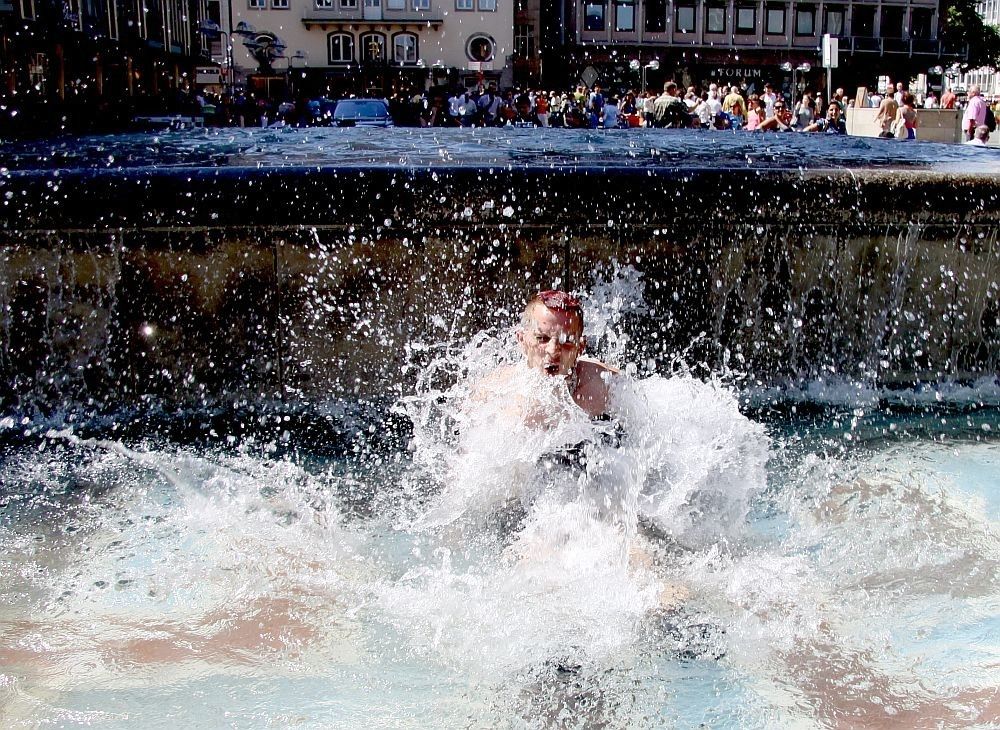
point(715, 107)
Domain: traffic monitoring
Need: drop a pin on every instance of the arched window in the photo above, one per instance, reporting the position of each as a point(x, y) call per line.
point(404, 48)
point(373, 48)
point(341, 47)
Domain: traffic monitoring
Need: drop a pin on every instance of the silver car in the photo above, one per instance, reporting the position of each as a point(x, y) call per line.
point(362, 113)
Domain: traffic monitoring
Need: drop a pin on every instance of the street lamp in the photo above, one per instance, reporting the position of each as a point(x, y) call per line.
point(297, 56)
point(637, 65)
point(802, 68)
point(211, 30)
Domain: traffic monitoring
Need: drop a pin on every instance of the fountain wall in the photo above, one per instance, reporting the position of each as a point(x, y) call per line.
point(307, 283)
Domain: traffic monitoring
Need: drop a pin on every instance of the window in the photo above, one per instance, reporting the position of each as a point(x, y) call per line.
point(892, 22)
point(920, 23)
point(464, 4)
point(685, 19)
point(863, 21)
point(395, 4)
point(656, 16)
point(715, 19)
point(404, 48)
point(480, 48)
point(624, 15)
point(776, 21)
point(421, 4)
point(28, 9)
point(373, 47)
point(805, 20)
point(279, 4)
point(746, 19)
point(349, 4)
point(524, 41)
point(341, 47)
point(487, 6)
point(324, 4)
point(256, 4)
point(593, 15)
point(835, 21)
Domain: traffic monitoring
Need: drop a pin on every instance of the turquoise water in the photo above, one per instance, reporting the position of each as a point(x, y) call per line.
point(158, 583)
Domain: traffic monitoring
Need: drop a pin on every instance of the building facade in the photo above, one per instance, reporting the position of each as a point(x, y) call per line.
point(374, 47)
point(104, 57)
point(749, 41)
point(988, 79)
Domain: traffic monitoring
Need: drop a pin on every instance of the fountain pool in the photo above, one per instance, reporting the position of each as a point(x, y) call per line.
point(242, 484)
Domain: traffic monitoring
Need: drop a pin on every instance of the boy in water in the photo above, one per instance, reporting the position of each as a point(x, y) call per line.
point(551, 338)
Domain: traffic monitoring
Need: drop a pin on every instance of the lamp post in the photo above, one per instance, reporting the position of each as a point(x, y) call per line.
point(802, 68)
point(637, 65)
point(297, 56)
point(211, 30)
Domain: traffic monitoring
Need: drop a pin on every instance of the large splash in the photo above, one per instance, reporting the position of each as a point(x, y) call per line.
point(515, 564)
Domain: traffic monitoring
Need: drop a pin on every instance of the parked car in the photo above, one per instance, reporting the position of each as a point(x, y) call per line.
point(362, 113)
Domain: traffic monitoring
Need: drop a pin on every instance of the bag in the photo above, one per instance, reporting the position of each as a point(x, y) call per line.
point(899, 129)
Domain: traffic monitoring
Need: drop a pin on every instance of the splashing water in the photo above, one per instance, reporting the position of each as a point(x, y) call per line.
point(517, 564)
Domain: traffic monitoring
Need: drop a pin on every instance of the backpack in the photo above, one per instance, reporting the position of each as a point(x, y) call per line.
point(991, 120)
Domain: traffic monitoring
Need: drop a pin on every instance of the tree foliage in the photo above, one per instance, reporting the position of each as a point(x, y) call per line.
point(963, 27)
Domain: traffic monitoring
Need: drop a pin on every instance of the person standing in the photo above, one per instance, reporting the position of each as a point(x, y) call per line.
point(975, 112)
point(948, 99)
point(734, 107)
point(769, 98)
point(907, 117)
point(542, 107)
point(887, 112)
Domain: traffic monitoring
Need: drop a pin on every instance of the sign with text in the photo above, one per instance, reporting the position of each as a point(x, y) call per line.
point(208, 75)
point(831, 51)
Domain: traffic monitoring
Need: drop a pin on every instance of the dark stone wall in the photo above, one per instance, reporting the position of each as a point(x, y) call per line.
point(311, 285)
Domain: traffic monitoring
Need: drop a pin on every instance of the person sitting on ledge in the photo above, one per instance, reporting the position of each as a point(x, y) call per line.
point(833, 123)
point(780, 121)
point(980, 137)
